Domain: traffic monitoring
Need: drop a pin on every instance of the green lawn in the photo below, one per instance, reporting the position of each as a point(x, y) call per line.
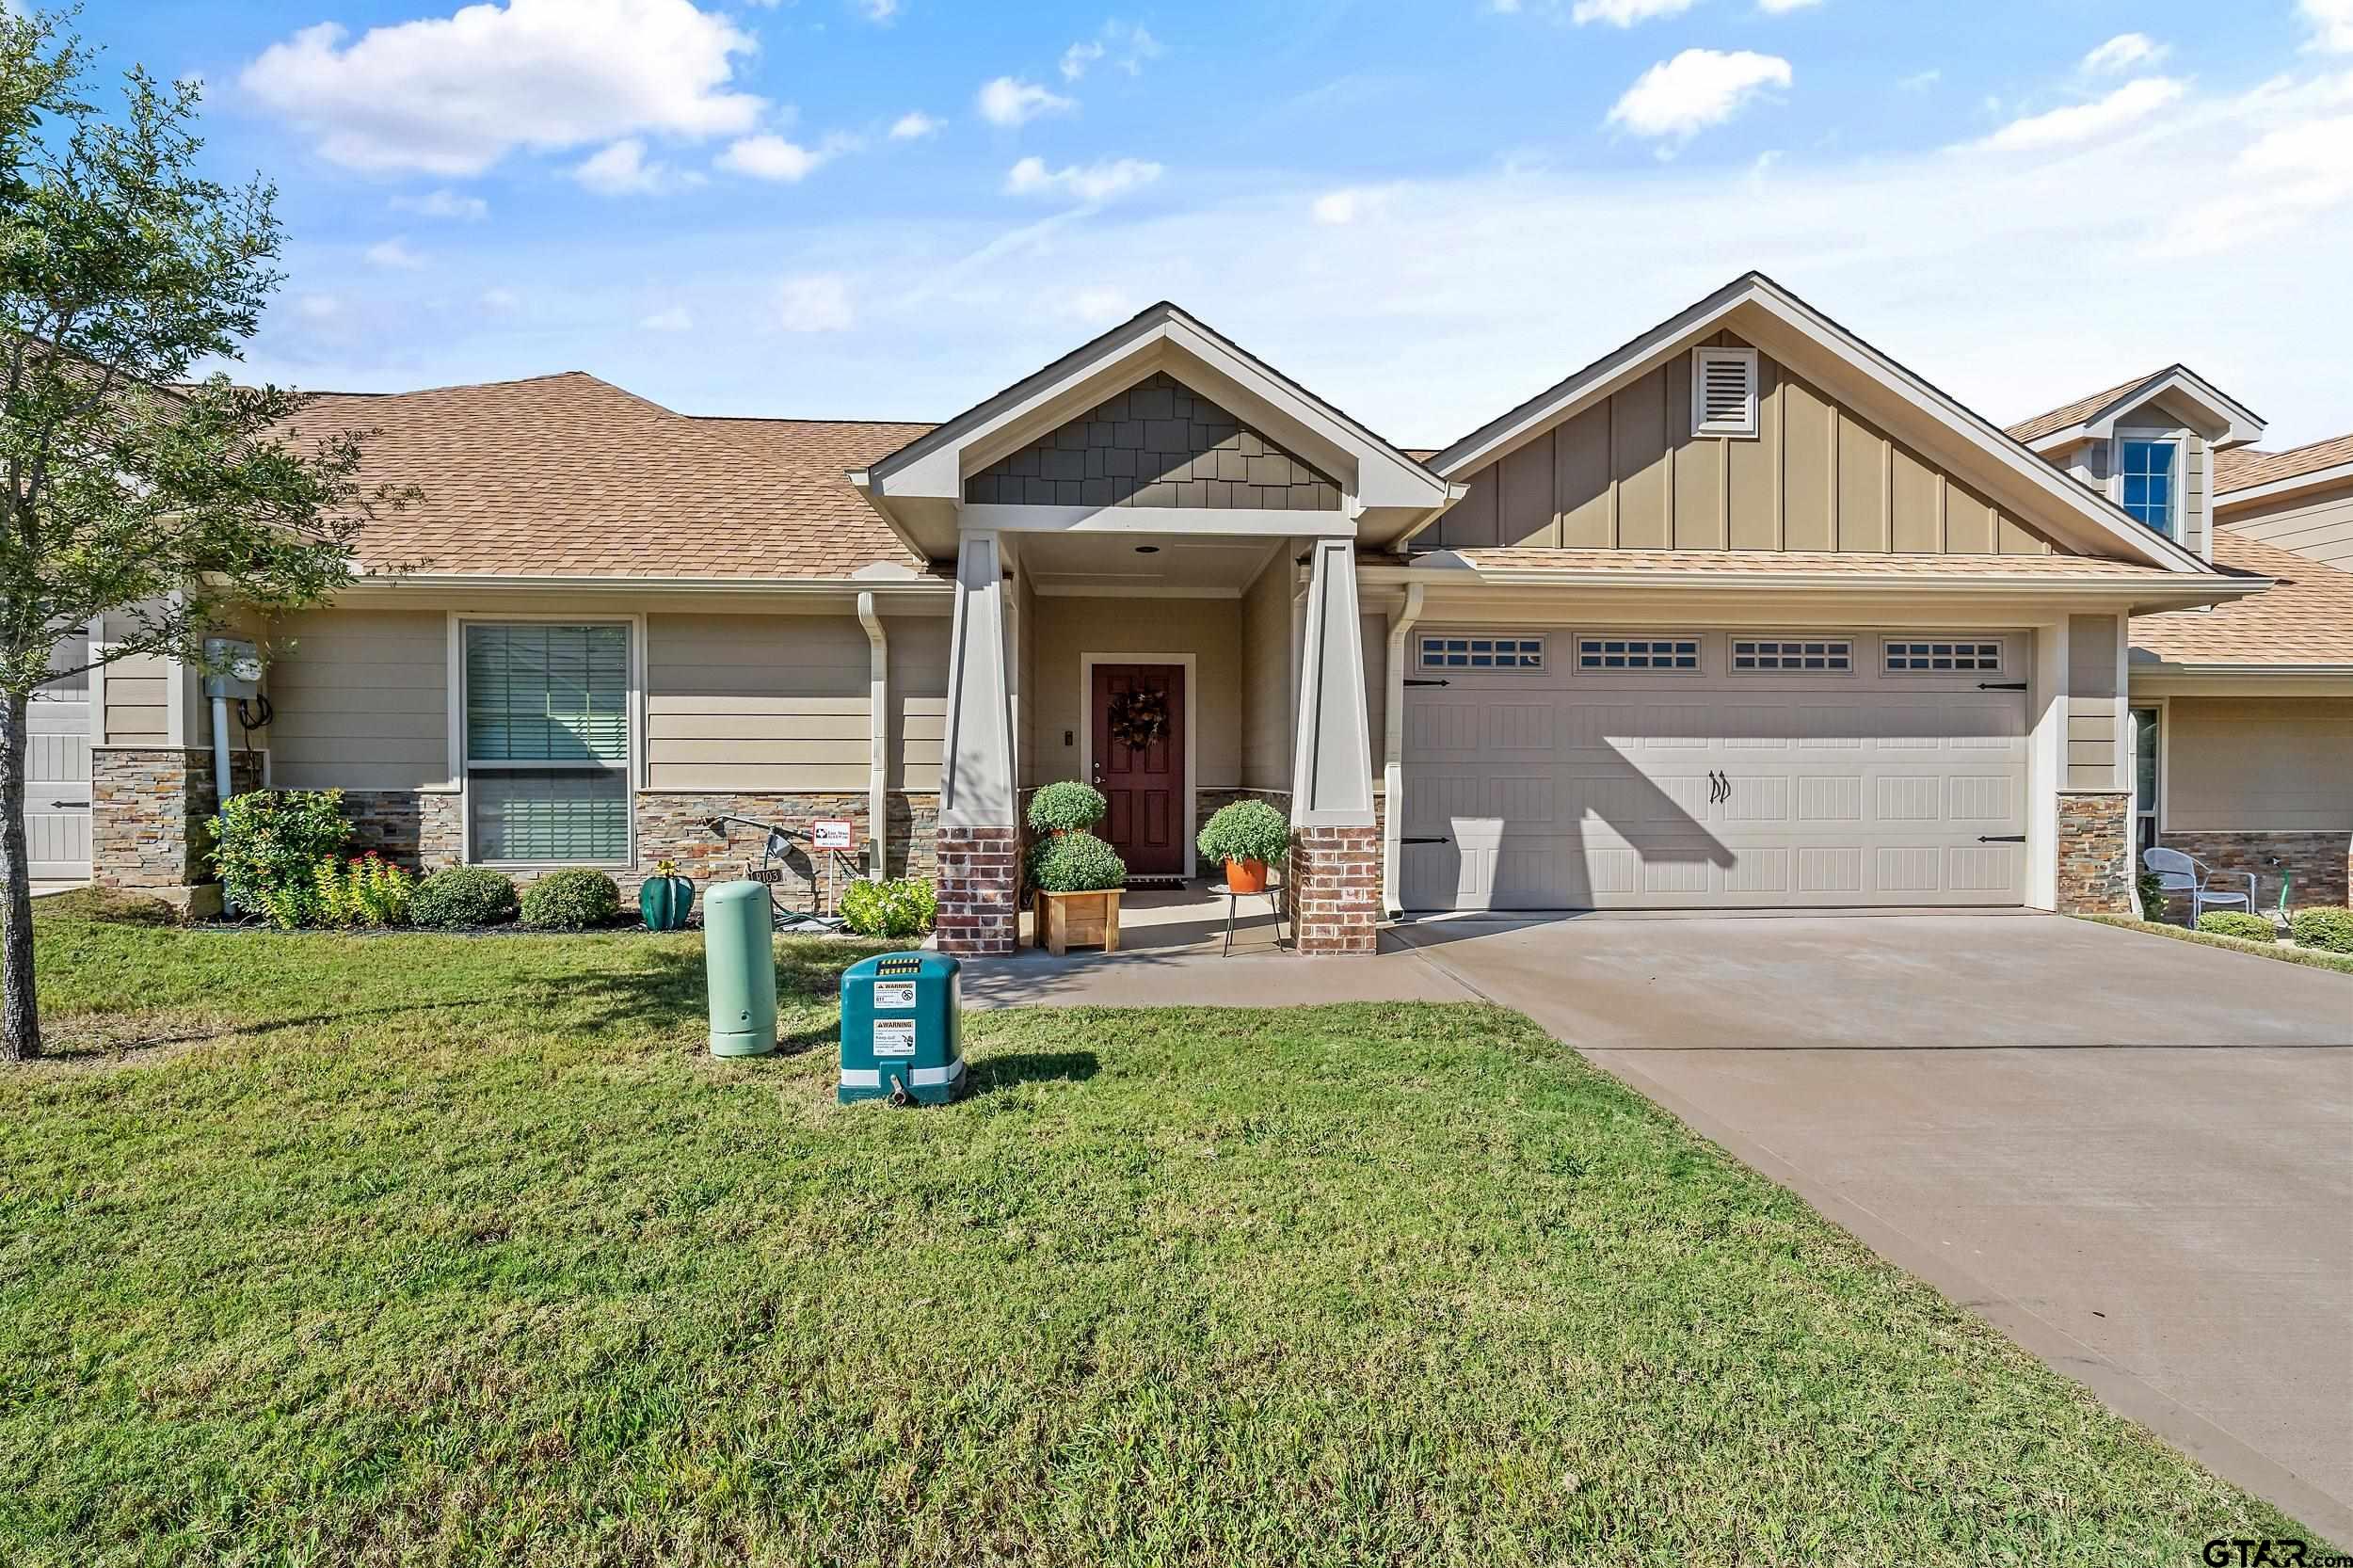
point(424, 1250)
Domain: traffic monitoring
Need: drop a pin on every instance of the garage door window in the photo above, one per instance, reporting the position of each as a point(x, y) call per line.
point(1637, 653)
point(1482, 653)
point(1944, 657)
point(1807, 655)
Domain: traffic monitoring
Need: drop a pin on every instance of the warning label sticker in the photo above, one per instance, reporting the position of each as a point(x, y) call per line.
point(894, 993)
point(894, 1036)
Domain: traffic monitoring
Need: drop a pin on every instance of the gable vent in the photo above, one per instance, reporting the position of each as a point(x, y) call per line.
point(1723, 391)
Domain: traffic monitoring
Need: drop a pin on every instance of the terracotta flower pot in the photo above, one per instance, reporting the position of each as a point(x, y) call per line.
point(1247, 876)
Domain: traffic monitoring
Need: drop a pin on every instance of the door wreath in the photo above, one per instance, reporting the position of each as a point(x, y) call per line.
point(1137, 718)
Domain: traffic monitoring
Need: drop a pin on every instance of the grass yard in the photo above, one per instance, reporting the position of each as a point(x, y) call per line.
point(426, 1249)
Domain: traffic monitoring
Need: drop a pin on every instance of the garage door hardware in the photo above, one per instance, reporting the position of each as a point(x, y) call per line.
point(1430, 682)
point(2001, 685)
point(1718, 788)
point(2001, 837)
point(1440, 840)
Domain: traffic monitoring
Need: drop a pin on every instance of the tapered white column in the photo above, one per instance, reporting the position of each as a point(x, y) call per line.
point(1332, 754)
point(976, 773)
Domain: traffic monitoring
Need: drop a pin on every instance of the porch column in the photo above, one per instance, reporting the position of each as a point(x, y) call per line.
point(1335, 846)
point(977, 845)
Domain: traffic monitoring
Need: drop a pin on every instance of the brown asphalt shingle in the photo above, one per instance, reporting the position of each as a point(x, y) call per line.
point(2243, 468)
point(570, 476)
point(2305, 618)
point(1807, 563)
point(2076, 412)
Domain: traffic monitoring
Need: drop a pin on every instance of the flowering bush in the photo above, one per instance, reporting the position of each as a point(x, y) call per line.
point(902, 908)
point(366, 890)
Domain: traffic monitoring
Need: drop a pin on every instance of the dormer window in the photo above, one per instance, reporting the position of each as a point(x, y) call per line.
point(2149, 480)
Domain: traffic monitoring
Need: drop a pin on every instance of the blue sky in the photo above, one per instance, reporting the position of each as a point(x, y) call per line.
point(891, 208)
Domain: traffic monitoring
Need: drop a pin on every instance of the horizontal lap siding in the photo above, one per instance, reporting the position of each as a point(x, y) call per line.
point(362, 701)
point(1627, 474)
point(2320, 528)
point(2272, 764)
point(2091, 711)
point(137, 711)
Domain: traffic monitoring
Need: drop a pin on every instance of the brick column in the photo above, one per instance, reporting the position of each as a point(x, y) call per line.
point(979, 891)
point(2095, 853)
point(1334, 887)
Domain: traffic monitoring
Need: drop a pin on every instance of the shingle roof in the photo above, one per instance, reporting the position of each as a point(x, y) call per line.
point(2081, 409)
point(2243, 468)
point(2305, 618)
point(567, 476)
point(1799, 563)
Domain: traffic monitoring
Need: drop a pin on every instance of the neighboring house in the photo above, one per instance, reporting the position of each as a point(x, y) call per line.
point(1744, 614)
point(2243, 713)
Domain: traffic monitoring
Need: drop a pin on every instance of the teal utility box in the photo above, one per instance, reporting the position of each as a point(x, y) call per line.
point(902, 1029)
point(740, 968)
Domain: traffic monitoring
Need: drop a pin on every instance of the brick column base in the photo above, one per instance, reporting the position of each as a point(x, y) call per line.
point(2095, 854)
point(1335, 888)
point(979, 891)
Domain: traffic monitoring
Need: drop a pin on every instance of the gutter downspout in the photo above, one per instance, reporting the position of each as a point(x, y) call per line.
point(1393, 749)
point(877, 740)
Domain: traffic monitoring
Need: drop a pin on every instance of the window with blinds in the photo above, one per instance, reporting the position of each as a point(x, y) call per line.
point(547, 741)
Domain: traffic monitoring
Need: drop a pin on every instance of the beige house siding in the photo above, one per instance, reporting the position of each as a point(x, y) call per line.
point(361, 699)
point(2318, 525)
point(137, 702)
point(2259, 764)
point(918, 698)
point(1629, 474)
point(1209, 629)
point(1266, 677)
point(2092, 716)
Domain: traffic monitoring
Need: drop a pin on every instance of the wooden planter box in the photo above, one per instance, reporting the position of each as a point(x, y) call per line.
point(1078, 919)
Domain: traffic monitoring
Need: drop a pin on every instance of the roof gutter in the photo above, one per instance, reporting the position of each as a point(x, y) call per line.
point(785, 586)
point(2193, 588)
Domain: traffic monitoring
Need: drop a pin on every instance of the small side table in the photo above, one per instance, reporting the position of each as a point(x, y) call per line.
point(1271, 893)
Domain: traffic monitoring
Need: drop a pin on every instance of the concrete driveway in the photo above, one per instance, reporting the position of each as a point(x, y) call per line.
point(2135, 1156)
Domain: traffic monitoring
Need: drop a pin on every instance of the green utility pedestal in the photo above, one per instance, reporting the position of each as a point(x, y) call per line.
point(740, 964)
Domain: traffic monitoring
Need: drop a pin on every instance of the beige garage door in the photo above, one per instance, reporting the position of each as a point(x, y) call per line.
point(1567, 768)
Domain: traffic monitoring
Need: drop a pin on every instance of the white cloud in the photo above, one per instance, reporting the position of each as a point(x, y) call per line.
point(2127, 105)
point(1127, 44)
point(1009, 103)
point(2332, 25)
point(394, 254)
point(1089, 183)
point(914, 126)
point(622, 169)
point(1681, 97)
point(443, 203)
point(2123, 53)
point(1782, 8)
point(772, 157)
point(819, 303)
point(674, 319)
point(1099, 306)
point(318, 307)
point(1920, 81)
point(1625, 13)
point(878, 11)
point(501, 300)
point(1338, 206)
point(453, 95)
point(2283, 178)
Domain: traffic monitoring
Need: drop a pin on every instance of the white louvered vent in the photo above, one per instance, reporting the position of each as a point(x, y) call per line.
point(1723, 391)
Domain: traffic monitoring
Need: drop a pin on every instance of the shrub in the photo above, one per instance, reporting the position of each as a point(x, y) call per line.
point(571, 901)
point(2152, 897)
point(2327, 930)
point(1068, 807)
point(269, 848)
point(2246, 928)
point(366, 890)
point(1076, 863)
point(902, 908)
point(1246, 830)
point(457, 897)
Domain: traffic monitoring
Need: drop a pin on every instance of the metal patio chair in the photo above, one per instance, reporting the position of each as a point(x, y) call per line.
point(2177, 873)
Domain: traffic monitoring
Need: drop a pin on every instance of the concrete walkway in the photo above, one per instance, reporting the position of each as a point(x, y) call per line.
point(2131, 1155)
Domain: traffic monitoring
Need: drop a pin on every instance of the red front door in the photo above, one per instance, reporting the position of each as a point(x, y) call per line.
point(1139, 720)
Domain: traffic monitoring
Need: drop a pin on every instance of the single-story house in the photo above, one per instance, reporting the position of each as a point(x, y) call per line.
point(1743, 613)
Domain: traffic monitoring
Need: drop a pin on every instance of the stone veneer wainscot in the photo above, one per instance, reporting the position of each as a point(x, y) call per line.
point(2095, 853)
point(2319, 865)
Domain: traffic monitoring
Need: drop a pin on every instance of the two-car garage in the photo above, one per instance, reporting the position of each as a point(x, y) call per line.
point(1572, 768)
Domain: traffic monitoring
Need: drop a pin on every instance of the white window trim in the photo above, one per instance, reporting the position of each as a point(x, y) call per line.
point(1701, 427)
point(1542, 639)
point(2155, 437)
point(633, 772)
point(1854, 654)
point(1890, 639)
point(1576, 654)
point(2164, 729)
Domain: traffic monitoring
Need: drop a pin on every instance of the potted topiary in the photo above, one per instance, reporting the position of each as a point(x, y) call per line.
point(1078, 877)
point(1245, 835)
point(1068, 807)
point(664, 898)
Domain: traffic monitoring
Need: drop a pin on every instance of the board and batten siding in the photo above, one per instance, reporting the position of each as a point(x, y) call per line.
point(2092, 708)
point(2319, 527)
point(2259, 764)
point(779, 703)
point(362, 701)
point(1627, 474)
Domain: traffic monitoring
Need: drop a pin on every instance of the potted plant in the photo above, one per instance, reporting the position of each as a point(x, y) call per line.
point(1068, 807)
point(1245, 835)
point(1078, 877)
point(664, 898)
